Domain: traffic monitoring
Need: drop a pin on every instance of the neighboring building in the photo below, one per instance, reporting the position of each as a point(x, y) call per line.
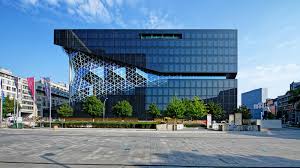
point(294, 85)
point(286, 109)
point(29, 109)
point(151, 66)
point(270, 106)
point(59, 96)
point(254, 101)
point(24, 97)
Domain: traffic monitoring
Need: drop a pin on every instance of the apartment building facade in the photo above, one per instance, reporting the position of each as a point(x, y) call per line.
point(59, 96)
point(17, 88)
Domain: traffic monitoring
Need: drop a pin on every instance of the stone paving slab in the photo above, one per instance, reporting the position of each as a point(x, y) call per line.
point(147, 148)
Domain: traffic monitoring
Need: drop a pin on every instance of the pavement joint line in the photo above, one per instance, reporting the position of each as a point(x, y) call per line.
point(114, 136)
point(116, 164)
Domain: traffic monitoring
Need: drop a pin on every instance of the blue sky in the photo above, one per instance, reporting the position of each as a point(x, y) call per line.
point(269, 36)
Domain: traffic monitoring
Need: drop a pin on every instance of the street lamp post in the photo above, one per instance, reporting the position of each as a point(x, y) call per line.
point(104, 108)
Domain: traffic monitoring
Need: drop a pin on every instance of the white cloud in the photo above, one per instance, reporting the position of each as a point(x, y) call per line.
point(275, 77)
point(288, 44)
point(101, 11)
point(248, 41)
point(53, 2)
point(73, 2)
point(156, 19)
point(85, 10)
point(93, 10)
point(30, 2)
point(111, 3)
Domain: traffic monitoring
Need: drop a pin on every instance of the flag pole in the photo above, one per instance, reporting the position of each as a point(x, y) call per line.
point(15, 106)
point(50, 104)
point(1, 104)
point(18, 101)
point(34, 103)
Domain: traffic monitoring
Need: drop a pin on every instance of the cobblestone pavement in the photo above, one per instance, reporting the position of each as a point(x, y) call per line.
point(64, 148)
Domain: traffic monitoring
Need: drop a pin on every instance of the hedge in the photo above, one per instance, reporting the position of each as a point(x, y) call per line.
point(194, 125)
point(87, 124)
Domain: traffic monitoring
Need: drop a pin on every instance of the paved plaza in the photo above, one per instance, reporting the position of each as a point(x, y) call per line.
point(64, 148)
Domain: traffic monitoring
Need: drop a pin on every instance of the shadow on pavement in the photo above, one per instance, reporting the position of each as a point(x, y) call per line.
point(283, 133)
point(193, 158)
point(196, 159)
point(47, 156)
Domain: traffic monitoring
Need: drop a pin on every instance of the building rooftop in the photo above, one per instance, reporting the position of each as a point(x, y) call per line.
point(6, 71)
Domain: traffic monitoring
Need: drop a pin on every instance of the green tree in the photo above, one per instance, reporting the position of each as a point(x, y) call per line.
point(246, 114)
point(154, 111)
point(8, 106)
point(93, 106)
point(65, 110)
point(176, 108)
point(215, 110)
point(270, 116)
point(195, 108)
point(123, 109)
point(188, 105)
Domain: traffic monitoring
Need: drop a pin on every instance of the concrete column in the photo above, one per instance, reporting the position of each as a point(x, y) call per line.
point(70, 79)
point(209, 124)
point(238, 119)
point(231, 119)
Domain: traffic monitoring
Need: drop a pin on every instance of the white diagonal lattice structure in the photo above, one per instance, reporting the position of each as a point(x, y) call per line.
point(96, 76)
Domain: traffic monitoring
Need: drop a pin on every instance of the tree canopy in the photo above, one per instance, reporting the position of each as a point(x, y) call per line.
point(92, 106)
point(215, 110)
point(8, 106)
point(153, 110)
point(122, 109)
point(175, 108)
point(195, 108)
point(270, 116)
point(65, 110)
point(246, 114)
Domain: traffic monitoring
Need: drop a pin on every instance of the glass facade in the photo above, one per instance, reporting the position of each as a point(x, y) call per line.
point(152, 66)
point(252, 99)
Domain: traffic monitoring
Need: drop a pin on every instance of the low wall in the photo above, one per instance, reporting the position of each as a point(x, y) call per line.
point(164, 127)
point(200, 122)
point(168, 127)
point(227, 127)
point(217, 126)
point(269, 124)
point(179, 126)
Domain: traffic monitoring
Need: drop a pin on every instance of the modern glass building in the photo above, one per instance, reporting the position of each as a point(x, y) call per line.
point(147, 66)
point(254, 100)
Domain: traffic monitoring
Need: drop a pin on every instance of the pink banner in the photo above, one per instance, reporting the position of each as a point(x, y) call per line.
point(31, 88)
